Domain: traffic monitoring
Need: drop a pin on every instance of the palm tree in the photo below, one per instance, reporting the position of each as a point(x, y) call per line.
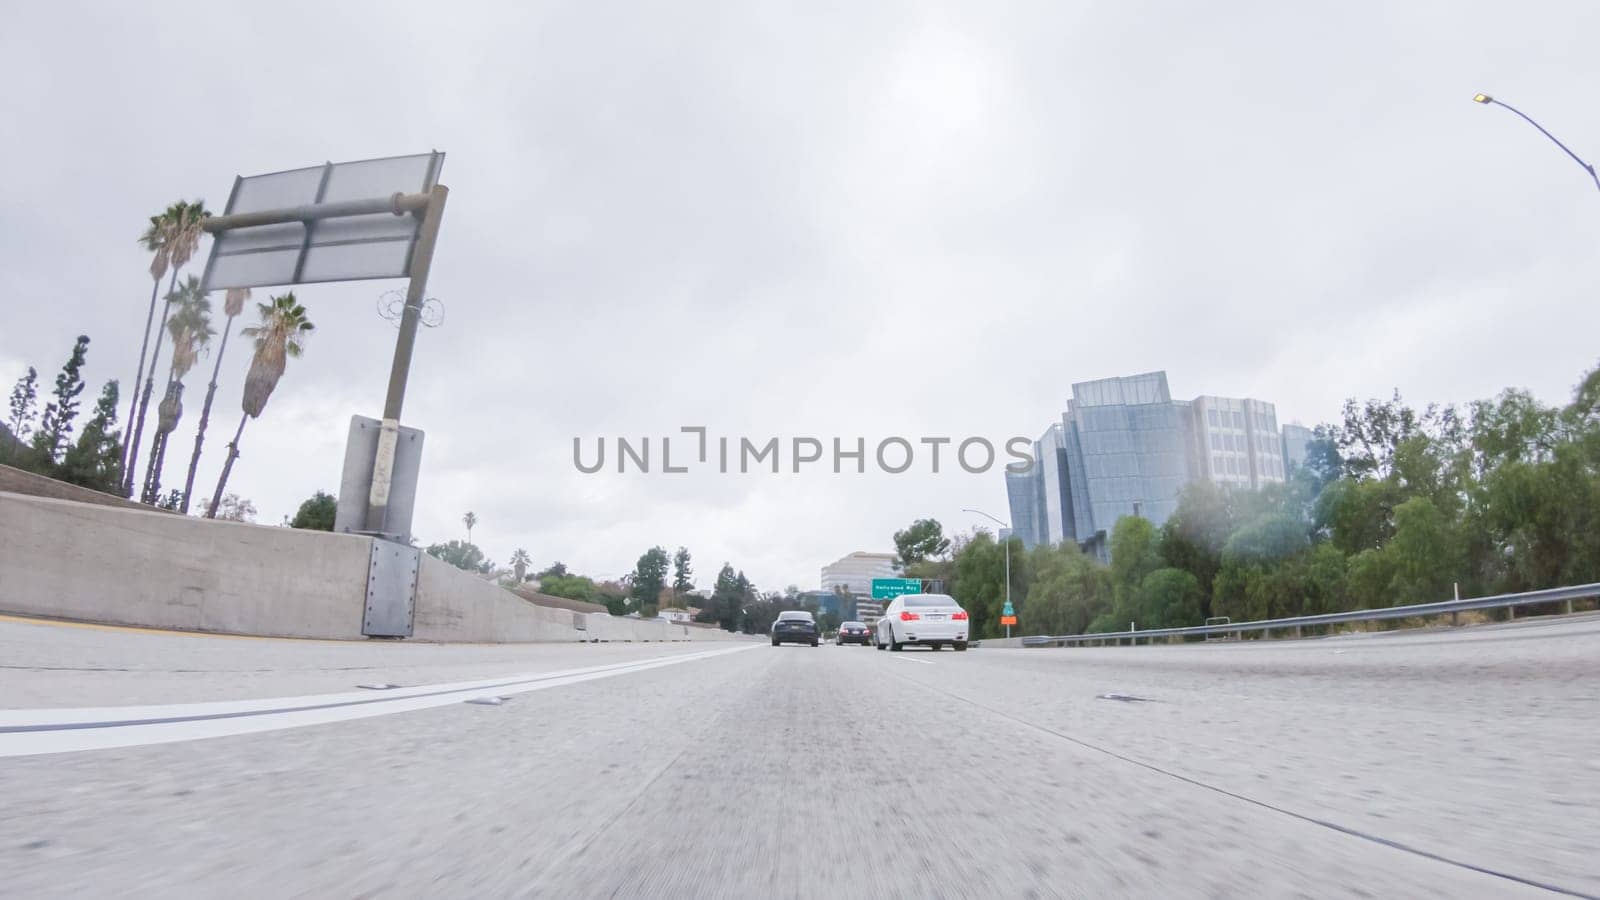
point(191, 333)
point(154, 239)
point(232, 306)
point(182, 238)
point(281, 335)
point(520, 561)
point(470, 519)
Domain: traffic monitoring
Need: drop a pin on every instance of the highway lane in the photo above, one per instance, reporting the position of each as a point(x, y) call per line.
point(834, 772)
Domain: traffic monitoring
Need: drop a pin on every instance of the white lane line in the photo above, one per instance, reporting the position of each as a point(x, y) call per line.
point(922, 662)
point(69, 730)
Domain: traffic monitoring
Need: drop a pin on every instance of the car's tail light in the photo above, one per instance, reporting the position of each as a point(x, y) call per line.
point(959, 615)
point(907, 615)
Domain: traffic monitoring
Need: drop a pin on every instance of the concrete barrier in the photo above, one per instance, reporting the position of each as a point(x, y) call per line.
point(94, 563)
point(97, 563)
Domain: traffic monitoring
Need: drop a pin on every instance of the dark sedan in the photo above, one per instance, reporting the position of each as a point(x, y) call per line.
point(794, 626)
point(855, 633)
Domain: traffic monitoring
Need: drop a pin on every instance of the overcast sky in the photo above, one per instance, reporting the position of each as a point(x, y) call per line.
point(857, 221)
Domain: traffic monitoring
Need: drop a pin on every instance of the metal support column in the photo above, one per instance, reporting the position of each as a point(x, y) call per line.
point(416, 294)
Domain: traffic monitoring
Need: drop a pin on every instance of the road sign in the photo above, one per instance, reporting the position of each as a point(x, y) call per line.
point(884, 588)
point(1008, 620)
point(1009, 610)
point(340, 231)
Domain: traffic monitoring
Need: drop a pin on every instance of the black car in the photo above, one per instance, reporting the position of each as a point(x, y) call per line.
point(855, 633)
point(794, 626)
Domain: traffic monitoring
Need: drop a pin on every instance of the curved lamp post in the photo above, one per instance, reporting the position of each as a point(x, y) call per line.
point(1487, 100)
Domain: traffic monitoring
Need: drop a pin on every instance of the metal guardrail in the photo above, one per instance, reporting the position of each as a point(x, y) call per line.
point(1497, 601)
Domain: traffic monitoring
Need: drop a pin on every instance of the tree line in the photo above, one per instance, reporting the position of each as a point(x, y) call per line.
point(106, 458)
point(1394, 505)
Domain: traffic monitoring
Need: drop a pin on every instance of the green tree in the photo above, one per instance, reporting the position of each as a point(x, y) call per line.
point(233, 304)
point(979, 581)
point(1135, 553)
point(726, 604)
point(682, 582)
point(923, 540)
point(95, 461)
point(1371, 579)
point(55, 425)
point(316, 513)
point(1168, 598)
point(470, 519)
point(572, 587)
point(1193, 536)
point(173, 237)
point(280, 336)
point(24, 404)
point(649, 577)
point(520, 561)
point(1326, 581)
point(464, 556)
point(1067, 592)
point(1425, 553)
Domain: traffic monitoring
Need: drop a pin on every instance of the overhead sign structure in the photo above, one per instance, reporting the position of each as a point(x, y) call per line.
point(333, 222)
point(885, 588)
point(374, 218)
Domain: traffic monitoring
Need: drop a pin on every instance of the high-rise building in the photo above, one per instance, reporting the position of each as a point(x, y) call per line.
point(1237, 442)
point(1127, 451)
point(854, 574)
point(1125, 447)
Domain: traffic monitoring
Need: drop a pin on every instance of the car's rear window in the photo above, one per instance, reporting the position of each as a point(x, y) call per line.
point(930, 600)
point(854, 625)
point(794, 615)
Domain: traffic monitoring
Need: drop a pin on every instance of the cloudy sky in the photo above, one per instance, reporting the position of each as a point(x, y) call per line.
point(838, 220)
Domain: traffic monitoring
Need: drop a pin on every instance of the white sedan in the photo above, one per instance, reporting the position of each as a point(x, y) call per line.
point(932, 620)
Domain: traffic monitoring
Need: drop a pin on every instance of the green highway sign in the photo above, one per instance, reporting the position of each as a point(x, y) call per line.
point(885, 588)
point(1008, 610)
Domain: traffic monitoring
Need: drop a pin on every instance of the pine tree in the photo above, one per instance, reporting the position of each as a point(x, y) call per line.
point(24, 401)
point(681, 572)
point(95, 461)
point(55, 426)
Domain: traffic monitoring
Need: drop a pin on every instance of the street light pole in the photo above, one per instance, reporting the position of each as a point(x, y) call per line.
point(1007, 527)
point(1487, 100)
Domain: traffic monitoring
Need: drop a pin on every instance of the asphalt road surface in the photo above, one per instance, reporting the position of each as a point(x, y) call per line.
point(1460, 763)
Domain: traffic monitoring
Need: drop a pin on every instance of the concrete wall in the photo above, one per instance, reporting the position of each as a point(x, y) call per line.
point(98, 563)
point(134, 567)
point(453, 605)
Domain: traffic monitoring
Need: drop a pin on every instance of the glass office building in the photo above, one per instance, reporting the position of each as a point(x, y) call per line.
point(1125, 447)
point(1131, 441)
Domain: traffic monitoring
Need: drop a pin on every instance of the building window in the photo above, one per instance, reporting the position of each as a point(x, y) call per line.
point(1238, 419)
point(1211, 414)
point(1217, 464)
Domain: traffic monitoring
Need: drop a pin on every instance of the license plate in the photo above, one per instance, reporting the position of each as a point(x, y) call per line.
point(935, 617)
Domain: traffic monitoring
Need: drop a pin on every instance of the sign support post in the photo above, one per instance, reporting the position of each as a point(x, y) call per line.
point(416, 293)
